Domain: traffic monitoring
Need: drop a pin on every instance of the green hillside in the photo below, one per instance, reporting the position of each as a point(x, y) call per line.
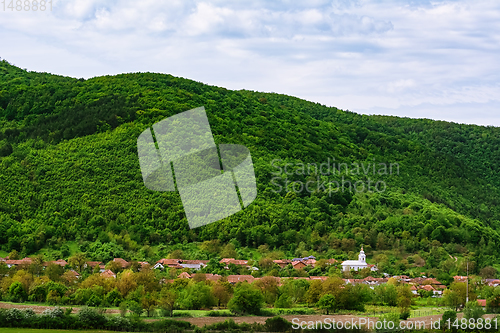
point(69, 172)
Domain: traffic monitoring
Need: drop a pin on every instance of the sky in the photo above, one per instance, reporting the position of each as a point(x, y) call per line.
point(408, 58)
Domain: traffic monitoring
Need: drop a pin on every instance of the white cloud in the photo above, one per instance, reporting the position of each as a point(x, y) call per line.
point(365, 55)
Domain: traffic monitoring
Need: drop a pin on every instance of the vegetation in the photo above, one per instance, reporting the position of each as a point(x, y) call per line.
point(70, 176)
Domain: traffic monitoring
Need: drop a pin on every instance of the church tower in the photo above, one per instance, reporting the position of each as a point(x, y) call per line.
point(362, 257)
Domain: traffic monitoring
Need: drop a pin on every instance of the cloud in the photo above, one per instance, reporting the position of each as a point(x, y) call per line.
point(363, 55)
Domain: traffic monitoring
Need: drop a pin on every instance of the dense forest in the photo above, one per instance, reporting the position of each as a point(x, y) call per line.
point(70, 179)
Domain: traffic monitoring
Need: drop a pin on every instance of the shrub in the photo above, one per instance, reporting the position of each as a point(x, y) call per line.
point(283, 301)
point(473, 310)
point(451, 315)
point(404, 315)
point(53, 297)
point(135, 307)
point(117, 323)
point(246, 299)
point(17, 292)
point(278, 324)
point(91, 317)
point(56, 312)
point(220, 314)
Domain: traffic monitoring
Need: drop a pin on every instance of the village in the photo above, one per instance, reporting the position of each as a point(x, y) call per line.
point(189, 269)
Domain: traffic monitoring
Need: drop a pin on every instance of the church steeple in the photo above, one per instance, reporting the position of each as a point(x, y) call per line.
point(362, 256)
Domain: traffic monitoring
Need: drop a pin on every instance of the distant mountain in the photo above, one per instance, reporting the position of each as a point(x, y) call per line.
point(69, 171)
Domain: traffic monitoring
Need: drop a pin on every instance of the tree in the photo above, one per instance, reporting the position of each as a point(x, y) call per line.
point(452, 299)
point(448, 316)
point(167, 301)
point(269, 288)
point(314, 292)
point(114, 266)
point(149, 303)
point(54, 272)
point(404, 300)
point(13, 255)
point(488, 272)
point(246, 299)
point(473, 310)
point(78, 261)
point(327, 302)
point(222, 292)
point(135, 307)
point(17, 292)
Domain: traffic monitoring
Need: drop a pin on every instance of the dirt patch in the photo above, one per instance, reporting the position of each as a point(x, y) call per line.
point(423, 322)
point(39, 308)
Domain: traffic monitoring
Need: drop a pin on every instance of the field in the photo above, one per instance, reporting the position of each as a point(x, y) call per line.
point(29, 330)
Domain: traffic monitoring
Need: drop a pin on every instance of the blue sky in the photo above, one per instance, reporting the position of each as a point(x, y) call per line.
point(421, 59)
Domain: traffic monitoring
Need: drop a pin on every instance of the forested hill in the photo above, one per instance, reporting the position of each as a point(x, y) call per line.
point(69, 172)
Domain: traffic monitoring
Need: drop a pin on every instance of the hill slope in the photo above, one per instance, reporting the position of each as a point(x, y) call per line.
point(69, 172)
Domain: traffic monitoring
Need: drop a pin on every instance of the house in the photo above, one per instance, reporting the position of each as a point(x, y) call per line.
point(193, 264)
point(481, 302)
point(428, 287)
point(371, 281)
point(123, 263)
point(459, 278)
point(108, 274)
point(492, 282)
point(16, 263)
point(298, 264)
point(233, 261)
point(74, 273)
point(282, 262)
point(414, 290)
point(171, 263)
point(233, 279)
point(322, 278)
point(184, 275)
point(59, 262)
point(92, 264)
point(213, 277)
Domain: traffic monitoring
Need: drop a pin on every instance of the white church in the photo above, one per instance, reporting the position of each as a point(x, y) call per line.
point(357, 264)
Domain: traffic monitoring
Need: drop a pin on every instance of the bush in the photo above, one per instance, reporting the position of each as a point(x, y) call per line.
point(136, 308)
point(56, 312)
point(220, 313)
point(246, 299)
point(91, 318)
point(404, 315)
point(278, 324)
point(117, 323)
point(390, 317)
point(283, 301)
point(473, 310)
point(451, 315)
point(17, 292)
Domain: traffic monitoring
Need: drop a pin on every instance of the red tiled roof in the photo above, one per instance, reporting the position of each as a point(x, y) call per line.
point(184, 275)
point(108, 274)
point(59, 262)
point(233, 261)
point(124, 263)
point(194, 262)
point(92, 264)
point(212, 277)
point(481, 302)
point(25, 261)
point(174, 263)
point(240, 278)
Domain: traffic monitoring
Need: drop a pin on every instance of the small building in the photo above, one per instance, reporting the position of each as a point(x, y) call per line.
point(108, 274)
point(357, 264)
